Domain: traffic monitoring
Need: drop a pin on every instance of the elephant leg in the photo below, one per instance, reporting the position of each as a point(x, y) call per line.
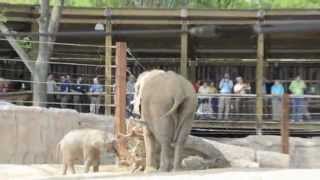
point(177, 156)
point(187, 117)
point(71, 167)
point(96, 166)
point(87, 165)
point(179, 146)
point(165, 160)
point(64, 169)
point(150, 146)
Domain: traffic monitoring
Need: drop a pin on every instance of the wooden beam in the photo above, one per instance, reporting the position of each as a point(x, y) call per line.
point(184, 51)
point(260, 83)
point(120, 114)
point(285, 124)
point(108, 69)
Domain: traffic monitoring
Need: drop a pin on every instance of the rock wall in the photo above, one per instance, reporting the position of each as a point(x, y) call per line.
point(304, 152)
point(29, 135)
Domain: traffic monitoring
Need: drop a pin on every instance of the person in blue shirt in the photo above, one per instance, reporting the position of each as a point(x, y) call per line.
point(65, 87)
point(96, 90)
point(78, 99)
point(277, 92)
point(225, 87)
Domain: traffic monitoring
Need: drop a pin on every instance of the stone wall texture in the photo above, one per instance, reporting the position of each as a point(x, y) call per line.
point(29, 135)
point(304, 152)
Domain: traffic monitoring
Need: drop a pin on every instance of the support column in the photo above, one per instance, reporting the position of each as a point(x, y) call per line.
point(120, 96)
point(193, 70)
point(121, 79)
point(108, 68)
point(285, 124)
point(184, 45)
point(260, 83)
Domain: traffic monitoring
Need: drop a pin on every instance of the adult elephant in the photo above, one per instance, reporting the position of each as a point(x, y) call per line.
point(167, 104)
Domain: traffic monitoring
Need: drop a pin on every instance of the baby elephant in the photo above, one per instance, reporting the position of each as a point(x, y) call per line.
point(86, 145)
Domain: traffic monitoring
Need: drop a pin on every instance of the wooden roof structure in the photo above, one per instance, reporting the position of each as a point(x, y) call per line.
point(234, 37)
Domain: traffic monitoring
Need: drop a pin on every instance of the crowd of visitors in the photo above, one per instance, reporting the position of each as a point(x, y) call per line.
point(65, 92)
point(217, 102)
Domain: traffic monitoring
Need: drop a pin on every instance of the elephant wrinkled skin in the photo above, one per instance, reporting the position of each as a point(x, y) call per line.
point(168, 103)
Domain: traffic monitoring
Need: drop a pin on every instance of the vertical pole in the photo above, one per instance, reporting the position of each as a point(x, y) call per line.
point(259, 83)
point(108, 69)
point(34, 50)
point(184, 45)
point(285, 124)
point(121, 72)
point(192, 73)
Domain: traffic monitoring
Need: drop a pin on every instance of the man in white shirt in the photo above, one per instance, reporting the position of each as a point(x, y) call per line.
point(240, 88)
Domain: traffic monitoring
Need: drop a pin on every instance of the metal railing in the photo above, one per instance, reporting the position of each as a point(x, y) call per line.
point(236, 107)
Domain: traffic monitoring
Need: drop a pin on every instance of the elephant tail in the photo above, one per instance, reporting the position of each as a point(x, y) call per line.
point(177, 122)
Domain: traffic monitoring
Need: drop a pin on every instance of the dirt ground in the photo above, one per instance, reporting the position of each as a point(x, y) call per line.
point(53, 172)
point(15, 171)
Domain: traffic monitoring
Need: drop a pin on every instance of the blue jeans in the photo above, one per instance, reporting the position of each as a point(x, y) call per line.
point(297, 108)
point(214, 104)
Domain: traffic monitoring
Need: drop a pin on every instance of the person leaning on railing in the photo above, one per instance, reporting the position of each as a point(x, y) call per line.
point(214, 100)
point(78, 99)
point(225, 86)
point(240, 88)
point(95, 100)
point(51, 88)
point(277, 92)
point(297, 88)
point(65, 88)
point(204, 109)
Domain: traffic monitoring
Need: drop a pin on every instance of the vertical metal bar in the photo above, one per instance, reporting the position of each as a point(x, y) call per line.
point(285, 124)
point(259, 83)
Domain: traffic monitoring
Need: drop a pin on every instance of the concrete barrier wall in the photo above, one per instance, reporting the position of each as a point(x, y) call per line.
point(30, 134)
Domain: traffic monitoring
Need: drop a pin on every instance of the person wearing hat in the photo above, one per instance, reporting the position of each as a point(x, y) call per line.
point(225, 87)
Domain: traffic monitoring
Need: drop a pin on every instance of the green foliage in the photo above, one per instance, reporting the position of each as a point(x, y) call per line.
point(3, 18)
point(215, 4)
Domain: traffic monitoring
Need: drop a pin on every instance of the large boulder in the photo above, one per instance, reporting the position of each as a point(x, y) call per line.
point(226, 155)
point(304, 152)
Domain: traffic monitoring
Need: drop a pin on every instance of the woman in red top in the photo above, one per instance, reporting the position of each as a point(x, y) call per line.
point(196, 85)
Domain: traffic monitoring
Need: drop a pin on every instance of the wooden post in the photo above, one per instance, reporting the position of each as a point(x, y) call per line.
point(285, 124)
point(184, 46)
point(108, 69)
point(193, 71)
point(121, 72)
point(259, 83)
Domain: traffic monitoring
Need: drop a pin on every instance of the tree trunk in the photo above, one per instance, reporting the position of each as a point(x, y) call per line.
point(46, 25)
point(39, 70)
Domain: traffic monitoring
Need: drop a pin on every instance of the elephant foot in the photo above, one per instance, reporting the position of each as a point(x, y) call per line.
point(149, 169)
point(177, 169)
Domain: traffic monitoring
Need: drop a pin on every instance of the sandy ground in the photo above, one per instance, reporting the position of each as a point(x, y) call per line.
point(53, 172)
point(15, 171)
